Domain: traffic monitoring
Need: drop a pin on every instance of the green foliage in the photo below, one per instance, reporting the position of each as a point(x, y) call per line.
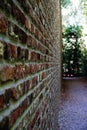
point(72, 50)
point(65, 3)
point(84, 3)
point(74, 56)
point(84, 7)
point(84, 62)
point(73, 31)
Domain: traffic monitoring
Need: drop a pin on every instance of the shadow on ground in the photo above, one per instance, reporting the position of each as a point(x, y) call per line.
point(73, 107)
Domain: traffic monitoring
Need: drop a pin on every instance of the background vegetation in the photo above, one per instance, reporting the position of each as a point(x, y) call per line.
point(74, 50)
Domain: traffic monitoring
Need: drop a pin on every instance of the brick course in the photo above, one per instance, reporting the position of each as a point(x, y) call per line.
point(30, 66)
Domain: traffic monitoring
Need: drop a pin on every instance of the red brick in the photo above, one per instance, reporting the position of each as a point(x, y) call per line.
point(34, 56)
point(34, 81)
point(26, 23)
point(3, 23)
point(27, 85)
point(24, 105)
point(13, 50)
point(37, 33)
point(37, 21)
point(14, 115)
point(29, 127)
point(34, 44)
point(34, 119)
point(19, 71)
point(32, 123)
point(32, 28)
point(19, 15)
point(14, 94)
point(6, 73)
point(36, 67)
point(29, 41)
point(1, 101)
point(37, 114)
point(36, 92)
point(39, 36)
point(34, 3)
point(31, 13)
point(32, 69)
point(43, 75)
point(27, 69)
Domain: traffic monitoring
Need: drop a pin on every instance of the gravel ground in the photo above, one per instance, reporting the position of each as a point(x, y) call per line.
point(73, 107)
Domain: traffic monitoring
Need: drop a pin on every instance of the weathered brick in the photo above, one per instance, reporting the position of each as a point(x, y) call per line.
point(27, 69)
point(31, 13)
point(28, 39)
point(34, 44)
point(6, 73)
point(34, 81)
point(27, 85)
point(1, 101)
point(29, 127)
point(34, 56)
point(13, 50)
point(34, 119)
point(14, 93)
point(32, 69)
point(19, 71)
point(24, 105)
point(19, 15)
point(14, 115)
point(3, 23)
point(32, 28)
point(37, 33)
point(26, 23)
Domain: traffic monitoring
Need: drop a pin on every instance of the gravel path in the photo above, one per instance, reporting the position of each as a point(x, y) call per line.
point(73, 108)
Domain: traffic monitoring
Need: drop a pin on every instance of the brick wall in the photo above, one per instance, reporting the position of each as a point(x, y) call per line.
point(30, 68)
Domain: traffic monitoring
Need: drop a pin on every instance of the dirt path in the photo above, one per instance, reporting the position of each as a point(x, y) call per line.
point(73, 109)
